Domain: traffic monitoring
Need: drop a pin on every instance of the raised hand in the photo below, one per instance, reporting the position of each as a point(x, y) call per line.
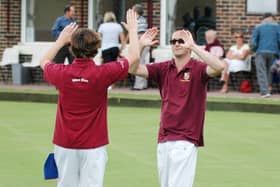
point(187, 37)
point(148, 38)
point(131, 21)
point(66, 33)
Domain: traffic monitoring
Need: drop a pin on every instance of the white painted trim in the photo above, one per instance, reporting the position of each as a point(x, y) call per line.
point(162, 23)
point(23, 21)
point(90, 14)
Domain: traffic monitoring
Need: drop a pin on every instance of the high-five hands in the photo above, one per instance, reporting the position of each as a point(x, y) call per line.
point(148, 38)
point(131, 21)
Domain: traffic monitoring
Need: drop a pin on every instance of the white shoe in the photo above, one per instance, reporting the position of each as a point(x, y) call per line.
point(266, 95)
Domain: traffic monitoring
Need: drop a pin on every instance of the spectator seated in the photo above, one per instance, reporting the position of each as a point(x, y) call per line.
point(237, 60)
point(10, 56)
point(275, 79)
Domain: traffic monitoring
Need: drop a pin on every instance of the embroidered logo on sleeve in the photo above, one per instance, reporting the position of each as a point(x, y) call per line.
point(121, 61)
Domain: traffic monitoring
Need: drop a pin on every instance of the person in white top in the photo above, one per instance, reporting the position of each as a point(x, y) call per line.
point(235, 59)
point(111, 33)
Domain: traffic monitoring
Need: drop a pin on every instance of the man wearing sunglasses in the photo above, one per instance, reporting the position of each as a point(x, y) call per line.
point(182, 82)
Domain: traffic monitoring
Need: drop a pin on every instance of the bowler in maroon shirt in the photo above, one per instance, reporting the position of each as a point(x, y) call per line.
point(81, 134)
point(182, 83)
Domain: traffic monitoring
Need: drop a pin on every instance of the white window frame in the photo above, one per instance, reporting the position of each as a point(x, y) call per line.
point(261, 9)
point(23, 27)
point(163, 22)
point(90, 14)
point(163, 15)
point(23, 21)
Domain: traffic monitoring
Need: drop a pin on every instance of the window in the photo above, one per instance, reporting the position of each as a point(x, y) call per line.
point(262, 6)
point(196, 16)
point(39, 17)
point(97, 9)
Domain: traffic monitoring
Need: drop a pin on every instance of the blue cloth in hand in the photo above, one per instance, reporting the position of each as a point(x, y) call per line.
point(50, 168)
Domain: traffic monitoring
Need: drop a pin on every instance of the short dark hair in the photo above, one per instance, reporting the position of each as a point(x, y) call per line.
point(207, 11)
point(139, 9)
point(67, 8)
point(85, 43)
point(267, 15)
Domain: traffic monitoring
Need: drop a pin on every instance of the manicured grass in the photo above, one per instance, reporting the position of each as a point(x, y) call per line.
point(242, 149)
point(51, 91)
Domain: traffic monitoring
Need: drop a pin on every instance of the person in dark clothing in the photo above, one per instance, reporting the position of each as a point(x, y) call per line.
point(187, 18)
point(196, 15)
point(203, 24)
point(60, 23)
point(265, 41)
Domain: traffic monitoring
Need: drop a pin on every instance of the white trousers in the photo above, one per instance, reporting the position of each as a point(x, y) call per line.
point(176, 163)
point(80, 167)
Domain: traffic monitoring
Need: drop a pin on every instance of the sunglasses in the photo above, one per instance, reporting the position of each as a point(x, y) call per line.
point(238, 37)
point(174, 41)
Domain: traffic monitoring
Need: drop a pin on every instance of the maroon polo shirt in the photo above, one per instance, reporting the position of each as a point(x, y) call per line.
point(81, 120)
point(183, 97)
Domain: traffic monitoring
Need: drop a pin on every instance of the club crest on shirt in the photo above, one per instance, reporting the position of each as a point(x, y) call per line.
point(186, 77)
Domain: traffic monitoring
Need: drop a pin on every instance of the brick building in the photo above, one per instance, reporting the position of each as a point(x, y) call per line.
point(27, 22)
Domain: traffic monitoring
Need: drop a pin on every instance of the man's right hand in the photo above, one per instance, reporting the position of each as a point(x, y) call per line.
point(66, 33)
point(64, 38)
point(131, 24)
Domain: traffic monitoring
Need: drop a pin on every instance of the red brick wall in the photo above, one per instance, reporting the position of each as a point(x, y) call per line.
point(230, 16)
point(9, 35)
point(155, 12)
point(81, 7)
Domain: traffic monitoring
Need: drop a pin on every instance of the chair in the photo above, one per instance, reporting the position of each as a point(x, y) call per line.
point(29, 68)
point(36, 58)
point(10, 56)
point(243, 74)
point(248, 61)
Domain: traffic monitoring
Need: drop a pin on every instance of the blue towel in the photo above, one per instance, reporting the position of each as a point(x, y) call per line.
point(50, 168)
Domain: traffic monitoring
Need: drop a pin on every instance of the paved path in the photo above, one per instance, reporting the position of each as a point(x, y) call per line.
point(143, 92)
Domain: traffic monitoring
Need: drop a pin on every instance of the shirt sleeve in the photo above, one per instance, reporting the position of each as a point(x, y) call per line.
point(232, 48)
point(246, 47)
point(56, 28)
point(115, 71)
point(203, 69)
point(100, 29)
point(217, 51)
point(255, 39)
point(53, 74)
point(120, 29)
point(154, 72)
